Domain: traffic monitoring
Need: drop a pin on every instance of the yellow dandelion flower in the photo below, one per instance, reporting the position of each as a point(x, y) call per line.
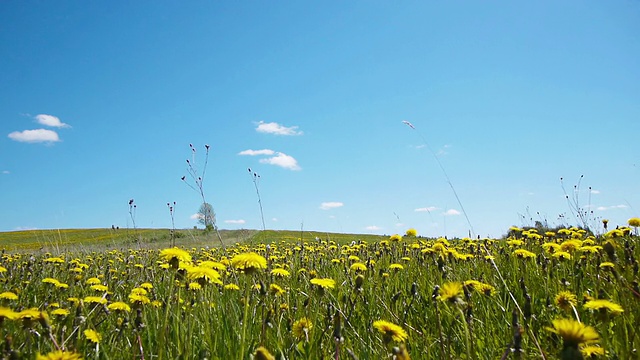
point(95, 300)
point(99, 287)
point(515, 243)
point(29, 314)
point(395, 238)
point(8, 295)
point(390, 331)
point(562, 255)
point(59, 355)
point(231, 287)
point(411, 232)
point(604, 306)
point(203, 275)
point(175, 253)
point(396, 267)
point(54, 260)
point(571, 245)
point(146, 286)
point(358, 267)
point(566, 300)
point(6, 313)
point(524, 254)
point(263, 354)
point(60, 312)
point(592, 351)
point(276, 290)
point(451, 292)
point(607, 265)
point(249, 262)
point(573, 333)
point(634, 222)
point(93, 281)
point(279, 272)
point(93, 336)
point(119, 306)
point(194, 286)
point(323, 283)
point(139, 291)
point(138, 300)
point(301, 328)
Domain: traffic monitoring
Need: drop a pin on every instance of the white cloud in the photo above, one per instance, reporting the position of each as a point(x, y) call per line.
point(399, 224)
point(451, 212)
point(195, 217)
point(50, 120)
point(373, 228)
point(595, 191)
point(235, 221)
point(6, 172)
point(277, 129)
point(427, 209)
point(274, 219)
point(331, 205)
point(257, 152)
point(23, 228)
point(283, 160)
point(605, 208)
point(35, 136)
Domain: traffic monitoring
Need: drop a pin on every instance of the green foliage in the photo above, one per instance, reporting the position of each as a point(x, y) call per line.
point(413, 283)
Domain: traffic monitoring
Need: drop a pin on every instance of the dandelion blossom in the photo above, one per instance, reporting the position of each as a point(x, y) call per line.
point(249, 262)
point(573, 333)
point(604, 306)
point(451, 292)
point(93, 336)
point(301, 328)
point(390, 331)
point(566, 300)
point(263, 354)
point(119, 306)
point(358, 267)
point(279, 272)
point(323, 283)
point(524, 254)
point(8, 295)
point(59, 355)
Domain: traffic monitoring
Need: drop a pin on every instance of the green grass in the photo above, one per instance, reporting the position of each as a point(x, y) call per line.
point(183, 320)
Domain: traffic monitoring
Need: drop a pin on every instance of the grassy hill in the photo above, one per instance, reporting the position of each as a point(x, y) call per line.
point(99, 239)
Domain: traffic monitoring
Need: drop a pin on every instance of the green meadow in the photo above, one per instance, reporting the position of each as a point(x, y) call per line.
point(189, 294)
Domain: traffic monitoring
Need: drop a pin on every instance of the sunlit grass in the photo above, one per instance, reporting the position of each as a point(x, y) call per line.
point(317, 296)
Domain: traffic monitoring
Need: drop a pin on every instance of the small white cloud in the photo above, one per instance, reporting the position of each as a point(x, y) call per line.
point(35, 136)
point(25, 228)
point(283, 160)
point(195, 217)
point(277, 129)
point(399, 224)
point(373, 228)
point(6, 172)
point(274, 219)
point(451, 212)
point(257, 152)
point(331, 205)
point(427, 209)
point(595, 191)
point(235, 221)
point(605, 208)
point(50, 120)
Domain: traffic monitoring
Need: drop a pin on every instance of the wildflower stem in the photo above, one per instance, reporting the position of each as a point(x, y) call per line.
point(245, 318)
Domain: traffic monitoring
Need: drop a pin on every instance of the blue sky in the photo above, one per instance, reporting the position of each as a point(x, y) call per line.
point(100, 100)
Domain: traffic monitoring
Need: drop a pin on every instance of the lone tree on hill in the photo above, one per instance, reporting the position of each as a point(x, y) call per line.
point(206, 216)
